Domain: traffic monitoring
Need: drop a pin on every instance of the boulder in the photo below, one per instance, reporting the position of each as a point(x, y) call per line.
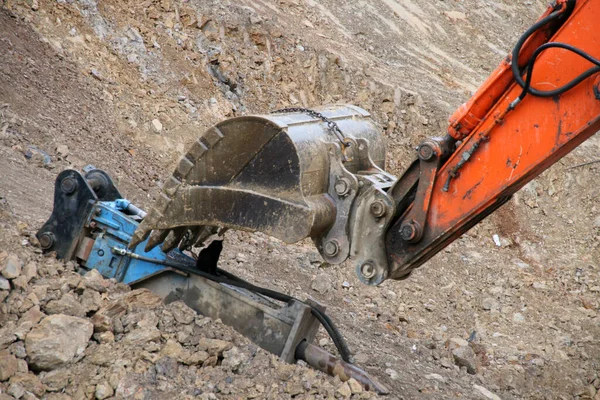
point(57, 340)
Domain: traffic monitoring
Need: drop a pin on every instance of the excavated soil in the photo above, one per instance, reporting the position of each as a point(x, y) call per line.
point(127, 85)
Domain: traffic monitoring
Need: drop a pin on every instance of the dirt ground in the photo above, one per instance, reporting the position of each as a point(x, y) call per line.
point(127, 85)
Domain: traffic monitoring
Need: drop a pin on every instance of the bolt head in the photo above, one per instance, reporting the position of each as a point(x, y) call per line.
point(331, 248)
point(425, 152)
point(378, 208)
point(367, 270)
point(46, 240)
point(342, 186)
point(408, 231)
point(68, 185)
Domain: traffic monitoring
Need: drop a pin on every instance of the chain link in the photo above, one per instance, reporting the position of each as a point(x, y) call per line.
point(331, 125)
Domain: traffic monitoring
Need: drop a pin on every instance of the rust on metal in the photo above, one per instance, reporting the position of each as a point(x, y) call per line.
point(328, 363)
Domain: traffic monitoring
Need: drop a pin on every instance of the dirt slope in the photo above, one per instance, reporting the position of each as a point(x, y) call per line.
point(127, 85)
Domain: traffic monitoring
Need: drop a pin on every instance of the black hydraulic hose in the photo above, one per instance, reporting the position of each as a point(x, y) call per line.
point(526, 84)
point(231, 279)
point(576, 81)
point(328, 325)
point(517, 49)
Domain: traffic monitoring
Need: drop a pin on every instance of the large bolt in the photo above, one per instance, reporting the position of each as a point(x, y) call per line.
point(425, 151)
point(331, 248)
point(342, 186)
point(68, 185)
point(46, 240)
point(367, 270)
point(378, 208)
point(410, 232)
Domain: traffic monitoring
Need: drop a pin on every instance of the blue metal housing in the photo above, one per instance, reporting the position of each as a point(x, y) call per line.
point(116, 230)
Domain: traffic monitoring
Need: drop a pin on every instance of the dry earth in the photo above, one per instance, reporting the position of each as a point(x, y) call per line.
point(126, 85)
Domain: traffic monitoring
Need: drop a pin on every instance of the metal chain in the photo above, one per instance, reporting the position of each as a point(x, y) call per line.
point(331, 125)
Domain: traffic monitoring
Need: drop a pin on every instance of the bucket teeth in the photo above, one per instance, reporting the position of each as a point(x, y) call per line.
point(156, 238)
point(173, 238)
point(138, 237)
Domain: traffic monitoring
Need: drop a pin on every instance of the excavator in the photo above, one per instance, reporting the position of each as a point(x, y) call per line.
point(319, 173)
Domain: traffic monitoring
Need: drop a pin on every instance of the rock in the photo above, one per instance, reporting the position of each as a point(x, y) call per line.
point(489, 304)
point(127, 387)
point(4, 283)
point(35, 5)
point(167, 367)
point(28, 321)
point(518, 317)
point(174, 350)
point(8, 365)
point(20, 282)
point(103, 319)
point(211, 361)
point(104, 337)
point(344, 390)
point(30, 383)
point(22, 366)
point(142, 336)
point(214, 347)
point(182, 313)
point(90, 300)
point(157, 125)
point(197, 358)
point(18, 349)
point(355, 387)
point(103, 355)
point(29, 271)
point(56, 380)
point(67, 305)
point(392, 373)
point(62, 150)
point(95, 281)
point(465, 357)
point(294, 388)
point(455, 15)
point(322, 283)
point(7, 335)
point(486, 393)
point(40, 291)
point(103, 390)
point(38, 156)
point(436, 377)
point(455, 343)
point(233, 358)
point(141, 299)
point(16, 390)
point(11, 267)
point(57, 340)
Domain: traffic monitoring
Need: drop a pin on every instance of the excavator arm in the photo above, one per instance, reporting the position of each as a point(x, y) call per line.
point(301, 173)
point(541, 103)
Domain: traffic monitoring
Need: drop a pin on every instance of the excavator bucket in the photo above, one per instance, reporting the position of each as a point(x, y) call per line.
point(292, 174)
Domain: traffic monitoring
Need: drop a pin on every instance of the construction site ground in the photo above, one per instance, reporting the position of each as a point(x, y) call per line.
point(127, 85)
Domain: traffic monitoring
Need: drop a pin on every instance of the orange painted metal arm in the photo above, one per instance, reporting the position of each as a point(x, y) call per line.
point(505, 149)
